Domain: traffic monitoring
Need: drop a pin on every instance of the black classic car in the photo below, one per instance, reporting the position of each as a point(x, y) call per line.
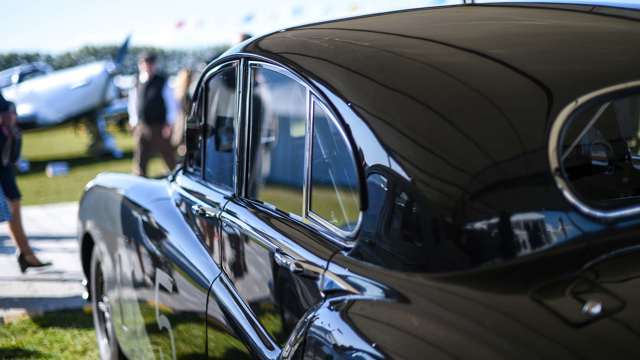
point(459, 182)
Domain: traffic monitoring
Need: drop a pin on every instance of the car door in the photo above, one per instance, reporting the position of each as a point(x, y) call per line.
point(272, 253)
point(206, 184)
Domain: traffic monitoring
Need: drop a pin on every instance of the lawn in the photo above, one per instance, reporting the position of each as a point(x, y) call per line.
point(69, 335)
point(69, 143)
point(59, 335)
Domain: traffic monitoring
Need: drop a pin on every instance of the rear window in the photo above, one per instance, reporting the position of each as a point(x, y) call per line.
point(334, 176)
point(598, 152)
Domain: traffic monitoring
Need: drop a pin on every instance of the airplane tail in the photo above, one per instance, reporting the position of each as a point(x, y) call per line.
point(112, 70)
point(122, 52)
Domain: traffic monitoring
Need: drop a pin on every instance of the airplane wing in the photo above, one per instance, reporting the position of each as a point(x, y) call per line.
point(68, 93)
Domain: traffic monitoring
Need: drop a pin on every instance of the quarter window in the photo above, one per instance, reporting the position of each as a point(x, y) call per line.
point(278, 113)
point(334, 179)
point(220, 128)
point(599, 152)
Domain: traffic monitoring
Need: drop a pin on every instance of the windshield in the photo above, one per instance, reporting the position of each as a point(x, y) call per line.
point(6, 79)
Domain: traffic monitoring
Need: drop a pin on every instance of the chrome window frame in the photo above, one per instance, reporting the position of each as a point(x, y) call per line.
point(237, 123)
point(309, 212)
point(253, 64)
point(555, 162)
point(344, 239)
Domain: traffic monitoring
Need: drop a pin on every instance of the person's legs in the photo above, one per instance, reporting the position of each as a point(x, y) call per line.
point(162, 143)
point(167, 152)
point(16, 230)
point(142, 151)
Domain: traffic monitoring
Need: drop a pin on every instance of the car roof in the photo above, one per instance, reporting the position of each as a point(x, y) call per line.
point(464, 96)
point(629, 4)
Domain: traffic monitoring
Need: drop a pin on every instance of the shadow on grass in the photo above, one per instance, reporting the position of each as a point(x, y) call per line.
point(14, 352)
point(65, 319)
point(38, 166)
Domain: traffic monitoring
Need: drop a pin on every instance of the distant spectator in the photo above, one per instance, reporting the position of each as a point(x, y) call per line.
point(183, 98)
point(10, 146)
point(152, 111)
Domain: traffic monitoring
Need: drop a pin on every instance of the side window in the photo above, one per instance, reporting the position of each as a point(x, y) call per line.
point(334, 178)
point(599, 152)
point(30, 75)
point(220, 128)
point(278, 113)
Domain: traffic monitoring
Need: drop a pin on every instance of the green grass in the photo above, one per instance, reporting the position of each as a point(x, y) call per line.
point(70, 335)
point(68, 143)
point(58, 335)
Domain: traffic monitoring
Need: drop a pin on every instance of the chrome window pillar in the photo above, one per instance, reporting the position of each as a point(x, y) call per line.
point(239, 138)
point(308, 148)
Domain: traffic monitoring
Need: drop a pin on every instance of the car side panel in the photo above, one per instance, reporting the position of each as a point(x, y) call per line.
point(160, 271)
point(272, 266)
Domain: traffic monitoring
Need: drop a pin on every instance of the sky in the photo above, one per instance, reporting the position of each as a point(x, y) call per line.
point(57, 26)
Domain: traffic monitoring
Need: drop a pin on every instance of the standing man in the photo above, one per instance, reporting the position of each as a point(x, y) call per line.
point(152, 111)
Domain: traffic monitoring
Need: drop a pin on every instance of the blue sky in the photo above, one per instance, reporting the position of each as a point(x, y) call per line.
point(55, 26)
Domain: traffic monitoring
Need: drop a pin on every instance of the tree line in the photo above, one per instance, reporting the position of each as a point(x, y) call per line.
point(171, 60)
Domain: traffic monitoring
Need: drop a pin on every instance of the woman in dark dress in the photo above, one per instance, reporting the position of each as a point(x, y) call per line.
point(10, 144)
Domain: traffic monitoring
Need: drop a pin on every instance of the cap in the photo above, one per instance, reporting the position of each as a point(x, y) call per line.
point(148, 57)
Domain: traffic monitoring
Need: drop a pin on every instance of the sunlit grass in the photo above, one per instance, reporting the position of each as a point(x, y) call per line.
point(70, 335)
point(59, 335)
point(68, 143)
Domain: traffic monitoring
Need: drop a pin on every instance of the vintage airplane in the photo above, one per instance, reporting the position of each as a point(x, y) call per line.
point(45, 98)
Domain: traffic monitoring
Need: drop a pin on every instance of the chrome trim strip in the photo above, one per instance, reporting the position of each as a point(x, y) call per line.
point(243, 142)
point(342, 233)
point(238, 123)
point(554, 159)
point(248, 126)
point(186, 181)
point(227, 297)
point(308, 144)
point(264, 239)
point(278, 69)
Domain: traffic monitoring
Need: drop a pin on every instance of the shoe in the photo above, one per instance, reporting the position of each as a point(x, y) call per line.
point(24, 264)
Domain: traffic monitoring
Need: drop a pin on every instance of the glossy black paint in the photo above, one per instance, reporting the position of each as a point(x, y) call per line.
point(466, 248)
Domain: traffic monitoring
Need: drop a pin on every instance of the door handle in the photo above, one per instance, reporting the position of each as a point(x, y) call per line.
point(204, 211)
point(287, 262)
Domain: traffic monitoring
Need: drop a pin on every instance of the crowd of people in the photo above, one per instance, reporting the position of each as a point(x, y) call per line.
point(157, 117)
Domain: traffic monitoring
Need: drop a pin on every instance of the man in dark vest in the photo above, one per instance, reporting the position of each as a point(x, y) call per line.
point(152, 111)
